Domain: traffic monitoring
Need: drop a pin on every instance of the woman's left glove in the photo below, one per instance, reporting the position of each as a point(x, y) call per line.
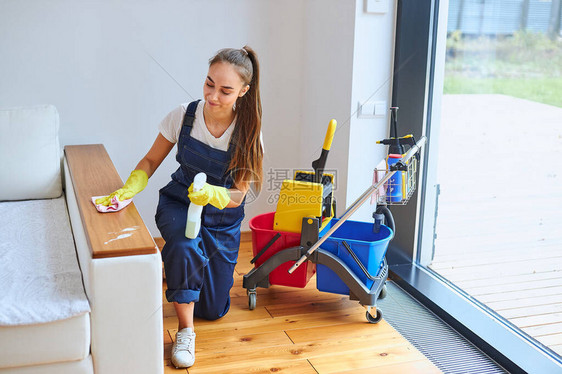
point(136, 182)
point(217, 196)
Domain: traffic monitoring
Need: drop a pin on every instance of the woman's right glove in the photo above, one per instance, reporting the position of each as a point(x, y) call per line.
point(217, 196)
point(136, 182)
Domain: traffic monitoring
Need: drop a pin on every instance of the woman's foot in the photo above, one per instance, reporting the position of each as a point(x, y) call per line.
point(183, 349)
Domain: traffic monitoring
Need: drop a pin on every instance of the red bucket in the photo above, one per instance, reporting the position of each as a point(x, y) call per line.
point(262, 233)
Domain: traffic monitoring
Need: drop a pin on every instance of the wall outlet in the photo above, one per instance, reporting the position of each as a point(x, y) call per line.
point(376, 6)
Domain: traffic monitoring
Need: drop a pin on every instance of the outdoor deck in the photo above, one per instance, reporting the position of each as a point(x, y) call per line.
point(499, 228)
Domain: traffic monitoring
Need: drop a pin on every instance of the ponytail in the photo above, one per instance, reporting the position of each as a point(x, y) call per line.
point(246, 163)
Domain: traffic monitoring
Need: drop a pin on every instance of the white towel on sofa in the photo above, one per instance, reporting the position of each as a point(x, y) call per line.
point(40, 280)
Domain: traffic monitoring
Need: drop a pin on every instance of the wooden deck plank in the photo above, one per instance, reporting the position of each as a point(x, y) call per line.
point(468, 249)
point(509, 280)
point(543, 319)
point(493, 288)
point(532, 311)
point(508, 237)
point(500, 306)
point(498, 257)
point(549, 329)
point(524, 267)
point(550, 340)
point(521, 294)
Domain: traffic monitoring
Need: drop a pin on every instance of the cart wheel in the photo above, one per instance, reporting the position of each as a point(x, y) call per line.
point(375, 319)
point(252, 297)
point(383, 292)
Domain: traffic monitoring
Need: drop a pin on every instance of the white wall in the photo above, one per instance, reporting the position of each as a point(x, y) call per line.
point(349, 57)
point(373, 56)
point(327, 85)
point(114, 70)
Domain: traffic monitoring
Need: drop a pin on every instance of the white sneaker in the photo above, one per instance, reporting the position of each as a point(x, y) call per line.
point(183, 349)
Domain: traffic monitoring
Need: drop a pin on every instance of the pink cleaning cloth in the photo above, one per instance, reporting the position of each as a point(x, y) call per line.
point(115, 205)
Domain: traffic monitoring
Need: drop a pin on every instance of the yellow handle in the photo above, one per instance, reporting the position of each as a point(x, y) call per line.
point(330, 135)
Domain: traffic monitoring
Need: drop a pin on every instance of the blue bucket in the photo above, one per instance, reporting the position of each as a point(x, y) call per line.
point(369, 247)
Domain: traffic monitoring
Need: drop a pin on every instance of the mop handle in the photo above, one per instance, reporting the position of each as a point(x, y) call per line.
point(411, 152)
point(330, 135)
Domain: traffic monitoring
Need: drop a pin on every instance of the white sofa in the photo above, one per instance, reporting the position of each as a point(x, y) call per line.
point(80, 291)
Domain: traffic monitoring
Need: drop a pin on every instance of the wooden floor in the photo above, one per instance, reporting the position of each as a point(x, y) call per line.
point(499, 226)
point(294, 330)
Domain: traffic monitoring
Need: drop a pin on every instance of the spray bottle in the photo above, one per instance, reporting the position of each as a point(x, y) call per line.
point(193, 224)
point(397, 188)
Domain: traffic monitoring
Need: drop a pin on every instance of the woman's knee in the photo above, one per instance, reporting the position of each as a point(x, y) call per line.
point(211, 312)
point(210, 316)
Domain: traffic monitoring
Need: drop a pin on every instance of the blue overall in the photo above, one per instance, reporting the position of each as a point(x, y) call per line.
point(200, 269)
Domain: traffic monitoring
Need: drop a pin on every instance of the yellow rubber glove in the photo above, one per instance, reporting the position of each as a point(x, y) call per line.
point(219, 197)
point(136, 182)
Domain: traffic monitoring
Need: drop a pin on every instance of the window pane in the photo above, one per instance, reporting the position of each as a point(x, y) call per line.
point(499, 222)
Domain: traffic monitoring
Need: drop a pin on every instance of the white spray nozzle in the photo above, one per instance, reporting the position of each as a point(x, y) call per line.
point(199, 181)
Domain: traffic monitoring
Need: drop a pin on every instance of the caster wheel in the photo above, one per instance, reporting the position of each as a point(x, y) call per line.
point(252, 298)
point(383, 292)
point(375, 319)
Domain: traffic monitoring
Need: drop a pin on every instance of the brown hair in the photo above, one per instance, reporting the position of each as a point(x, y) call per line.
point(246, 163)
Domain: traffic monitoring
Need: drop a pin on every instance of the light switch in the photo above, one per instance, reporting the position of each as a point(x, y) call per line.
point(380, 109)
point(376, 6)
point(366, 109)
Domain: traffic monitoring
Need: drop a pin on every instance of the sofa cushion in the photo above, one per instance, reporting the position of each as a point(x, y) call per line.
point(30, 153)
point(40, 280)
point(59, 341)
point(84, 366)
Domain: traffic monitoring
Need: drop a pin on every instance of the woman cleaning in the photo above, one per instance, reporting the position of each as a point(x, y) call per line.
point(220, 136)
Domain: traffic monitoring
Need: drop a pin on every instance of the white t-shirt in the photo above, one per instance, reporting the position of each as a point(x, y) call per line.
point(170, 128)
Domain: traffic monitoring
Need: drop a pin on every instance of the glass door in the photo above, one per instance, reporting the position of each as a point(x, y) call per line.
point(498, 168)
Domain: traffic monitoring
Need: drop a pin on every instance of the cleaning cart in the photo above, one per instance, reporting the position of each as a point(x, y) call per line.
point(303, 237)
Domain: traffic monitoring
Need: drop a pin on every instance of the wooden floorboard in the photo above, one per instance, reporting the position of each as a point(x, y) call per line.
point(293, 330)
point(499, 232)
point(422, 366)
